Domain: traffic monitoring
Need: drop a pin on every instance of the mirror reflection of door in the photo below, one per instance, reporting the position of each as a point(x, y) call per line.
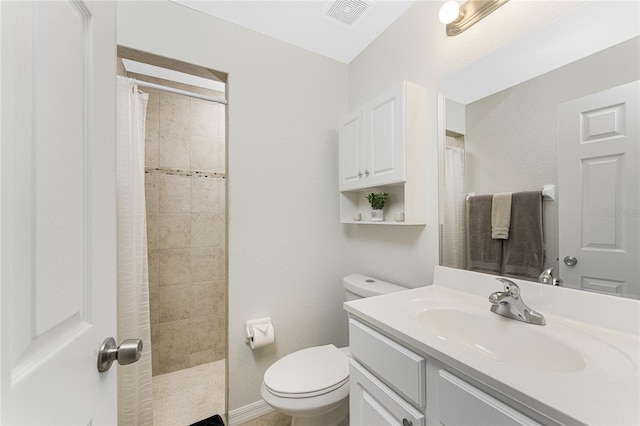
point(598, 171)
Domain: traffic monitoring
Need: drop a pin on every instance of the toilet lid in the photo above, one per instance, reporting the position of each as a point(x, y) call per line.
point(308, 372)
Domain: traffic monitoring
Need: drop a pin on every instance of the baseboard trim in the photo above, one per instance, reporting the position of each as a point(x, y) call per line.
point(249, 412)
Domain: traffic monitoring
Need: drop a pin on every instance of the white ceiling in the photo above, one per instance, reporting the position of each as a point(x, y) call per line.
point(303, 23)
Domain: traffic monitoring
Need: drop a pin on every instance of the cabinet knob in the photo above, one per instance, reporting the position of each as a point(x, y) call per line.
point(406, 422)
point(359, 175)
point(366, 172)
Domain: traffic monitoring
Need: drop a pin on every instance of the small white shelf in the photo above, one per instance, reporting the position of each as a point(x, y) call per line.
point(356, 202)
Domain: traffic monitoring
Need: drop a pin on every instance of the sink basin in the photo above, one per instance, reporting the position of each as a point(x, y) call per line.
point(505, 340)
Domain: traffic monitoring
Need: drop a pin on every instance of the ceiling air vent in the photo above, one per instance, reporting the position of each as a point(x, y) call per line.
point(345, 11)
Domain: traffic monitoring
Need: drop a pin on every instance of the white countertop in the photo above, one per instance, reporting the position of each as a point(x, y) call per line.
point(605, 390)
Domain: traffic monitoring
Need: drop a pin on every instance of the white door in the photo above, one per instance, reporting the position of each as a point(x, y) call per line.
point(58, 220)
point(351, 155)
point(599, 180)
point(385, 138)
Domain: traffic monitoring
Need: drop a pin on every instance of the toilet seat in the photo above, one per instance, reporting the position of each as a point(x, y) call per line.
point(308, 372)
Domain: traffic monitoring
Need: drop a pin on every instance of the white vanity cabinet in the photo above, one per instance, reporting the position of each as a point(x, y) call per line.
point(397, 394)
point(374, 403)
point(382, 149)
point(393, 384)
point(460, 403)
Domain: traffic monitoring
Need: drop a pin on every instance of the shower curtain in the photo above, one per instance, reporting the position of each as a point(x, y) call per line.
point(135, 392)
point(453, 223)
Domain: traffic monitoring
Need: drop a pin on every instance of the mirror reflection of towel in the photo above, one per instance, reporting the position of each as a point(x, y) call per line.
point(501, 215)
point(524, 250)
point(485, 253)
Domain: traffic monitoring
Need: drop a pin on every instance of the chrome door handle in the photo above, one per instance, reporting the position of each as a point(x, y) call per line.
point(128, 352)
point(570, 260)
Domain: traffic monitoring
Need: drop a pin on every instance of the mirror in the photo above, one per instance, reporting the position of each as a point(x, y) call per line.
point(500, 134)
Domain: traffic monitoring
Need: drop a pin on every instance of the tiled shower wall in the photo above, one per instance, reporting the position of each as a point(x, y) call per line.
point(185, 193)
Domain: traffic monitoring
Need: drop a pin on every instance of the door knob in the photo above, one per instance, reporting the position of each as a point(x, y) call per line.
point(570, 260)
point(128, 352)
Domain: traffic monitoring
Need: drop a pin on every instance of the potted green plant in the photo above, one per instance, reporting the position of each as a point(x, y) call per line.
point(377, 202)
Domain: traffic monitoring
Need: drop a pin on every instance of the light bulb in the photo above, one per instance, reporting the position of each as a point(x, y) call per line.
point(449, 12)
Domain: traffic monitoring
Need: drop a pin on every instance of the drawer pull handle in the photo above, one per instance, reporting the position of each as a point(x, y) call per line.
point(406, 422)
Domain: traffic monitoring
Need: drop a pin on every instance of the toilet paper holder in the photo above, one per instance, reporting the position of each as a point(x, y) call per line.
point(259, 325)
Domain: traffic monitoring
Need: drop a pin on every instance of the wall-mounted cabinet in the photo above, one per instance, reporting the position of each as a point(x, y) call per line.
point(382, 149)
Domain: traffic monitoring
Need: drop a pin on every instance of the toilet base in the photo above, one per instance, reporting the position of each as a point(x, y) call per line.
point(336, 417)
point(330, 409)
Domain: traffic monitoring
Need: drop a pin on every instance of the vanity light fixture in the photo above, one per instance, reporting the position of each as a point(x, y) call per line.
point(460, 17)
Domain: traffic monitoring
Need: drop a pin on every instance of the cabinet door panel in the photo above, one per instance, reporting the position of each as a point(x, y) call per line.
point(351, 147)
point(463, 404)
point(397, 365)
point(385, 133)
point(374, 404)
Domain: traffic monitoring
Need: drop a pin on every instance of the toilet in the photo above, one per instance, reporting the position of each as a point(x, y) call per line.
point(312, 384)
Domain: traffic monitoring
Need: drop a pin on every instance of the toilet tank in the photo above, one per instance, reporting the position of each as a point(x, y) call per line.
point(358, 286)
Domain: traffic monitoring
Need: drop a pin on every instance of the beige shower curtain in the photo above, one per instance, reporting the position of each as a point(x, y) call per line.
point(135, 392)
point(453, 209)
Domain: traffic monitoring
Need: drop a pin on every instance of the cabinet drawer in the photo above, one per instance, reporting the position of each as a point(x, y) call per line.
point(401, 368)
point(371, 403)
point(463, 404)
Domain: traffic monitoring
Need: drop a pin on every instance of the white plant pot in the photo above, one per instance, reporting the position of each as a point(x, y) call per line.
point(377, 215)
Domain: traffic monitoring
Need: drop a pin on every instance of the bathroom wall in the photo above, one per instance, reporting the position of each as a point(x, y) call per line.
point(185, 194)
point(287, 249)
point(285, 243)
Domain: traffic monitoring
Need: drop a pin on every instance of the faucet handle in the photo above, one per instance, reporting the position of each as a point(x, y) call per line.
point(510, 287)
point(546, 276)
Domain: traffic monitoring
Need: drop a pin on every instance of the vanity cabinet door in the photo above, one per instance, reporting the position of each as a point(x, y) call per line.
point(463, 404)
point(371, 403)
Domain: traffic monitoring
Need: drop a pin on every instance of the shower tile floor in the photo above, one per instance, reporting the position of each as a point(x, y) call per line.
point(184, 397)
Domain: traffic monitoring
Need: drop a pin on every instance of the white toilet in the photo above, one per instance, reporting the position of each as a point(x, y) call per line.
point(312, 385)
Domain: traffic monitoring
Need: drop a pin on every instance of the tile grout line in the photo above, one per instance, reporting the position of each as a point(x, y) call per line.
point(167, 171)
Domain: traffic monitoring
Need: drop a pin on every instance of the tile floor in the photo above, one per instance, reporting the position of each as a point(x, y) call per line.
point(184, 397)
point(271, 419)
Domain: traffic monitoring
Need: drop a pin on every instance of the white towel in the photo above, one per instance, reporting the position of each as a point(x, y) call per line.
point(500, 215)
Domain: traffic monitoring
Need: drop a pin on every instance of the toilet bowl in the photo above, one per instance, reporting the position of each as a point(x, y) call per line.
point(312, 384)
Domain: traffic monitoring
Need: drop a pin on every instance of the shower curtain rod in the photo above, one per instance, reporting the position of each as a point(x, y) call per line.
point(141, 83)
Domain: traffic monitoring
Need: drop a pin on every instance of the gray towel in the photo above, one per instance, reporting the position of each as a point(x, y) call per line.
point(485, 253)
point(524, 250)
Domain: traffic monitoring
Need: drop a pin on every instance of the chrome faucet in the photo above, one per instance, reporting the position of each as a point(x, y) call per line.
point(546, 277)
point(509, 304)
